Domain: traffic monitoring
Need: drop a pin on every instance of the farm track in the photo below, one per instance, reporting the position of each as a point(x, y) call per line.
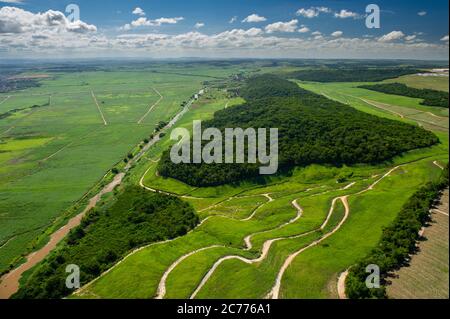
point(386, 108)
point(264, 253)
point(438, 165)
point(162, 285)
point(275, 291)
point(66, 146)
point(7, 131)
point(341, 285)
point(6, 99)
point(378, 105)
point(99, 109)
point(152, 106)
point(266, 246)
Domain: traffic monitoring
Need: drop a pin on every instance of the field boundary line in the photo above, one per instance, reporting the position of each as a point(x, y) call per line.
point(382, 108)
point(67, 145)
point(435, 210)
point(98, 107)
point(6, 99)
point(7, 131)
point(151, 107)
point(407, 116)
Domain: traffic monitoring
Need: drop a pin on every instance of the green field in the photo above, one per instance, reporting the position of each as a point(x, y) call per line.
point(51, 156)
point(423, 82)
point(215, 260)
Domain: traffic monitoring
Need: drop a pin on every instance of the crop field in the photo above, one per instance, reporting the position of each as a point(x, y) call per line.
point(423, 82)
point(289, 238)
point(60, 139)
point(384, 105)
point(427, 274)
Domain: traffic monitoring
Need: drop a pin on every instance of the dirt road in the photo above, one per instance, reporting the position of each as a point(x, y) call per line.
point(99, 109)
point(341, 285)
point(275, 292)
point(151, 107)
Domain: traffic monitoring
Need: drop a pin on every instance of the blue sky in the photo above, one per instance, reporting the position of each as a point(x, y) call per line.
point(412, 28)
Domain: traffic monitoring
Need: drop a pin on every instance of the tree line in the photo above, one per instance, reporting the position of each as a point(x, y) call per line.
point(430, 97)
point(358, 74)
point(397, 243)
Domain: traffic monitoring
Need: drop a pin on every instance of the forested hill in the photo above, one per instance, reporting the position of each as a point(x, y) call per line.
point(350, 75)
point(134, 219)
point(312, 129)
point(430, 97)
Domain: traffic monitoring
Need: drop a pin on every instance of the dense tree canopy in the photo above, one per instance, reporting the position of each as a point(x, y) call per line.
point(312, 129)
point(136, 218)
point(350, 75)
point(430, 97)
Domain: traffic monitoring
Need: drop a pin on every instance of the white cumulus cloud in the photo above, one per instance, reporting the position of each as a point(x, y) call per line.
point(411, 37)
point(16, 20)
point(312, 12)
point(138, 11)
point(337, 34)
point(290, 26)
point(392, 36)
point(144, 22)
point(344, 14)
point(253, 18)
point(422, 13)
point(303, 29)
point(199, 25)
